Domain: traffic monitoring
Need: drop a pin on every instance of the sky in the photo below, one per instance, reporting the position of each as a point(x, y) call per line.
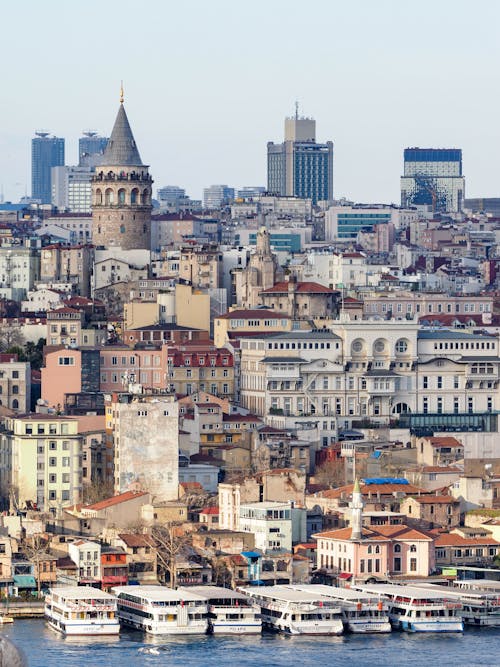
point(209, 82)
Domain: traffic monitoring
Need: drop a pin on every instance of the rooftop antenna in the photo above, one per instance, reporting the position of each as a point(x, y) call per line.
point(296, 110)
point(121, 92)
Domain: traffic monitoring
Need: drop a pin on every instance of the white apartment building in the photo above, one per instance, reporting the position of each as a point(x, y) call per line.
point(270, 522)
point(87, 556)
point(375, 372)
point(19, 269)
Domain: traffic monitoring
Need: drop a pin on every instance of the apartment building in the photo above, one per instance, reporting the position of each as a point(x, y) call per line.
point(41, 462)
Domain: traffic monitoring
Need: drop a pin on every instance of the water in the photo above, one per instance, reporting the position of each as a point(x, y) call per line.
point(45, 648)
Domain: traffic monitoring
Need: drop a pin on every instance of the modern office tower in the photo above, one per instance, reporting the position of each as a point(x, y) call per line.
point(91, 148)
point(169, 195)
point(300, 167)
point(121, 192)
point(251, 191)
point(46, 152)
point(433, 177)
point(217, 195)
point(71, 189)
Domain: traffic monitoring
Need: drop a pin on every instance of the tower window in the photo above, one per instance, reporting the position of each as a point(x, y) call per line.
point(122, 229)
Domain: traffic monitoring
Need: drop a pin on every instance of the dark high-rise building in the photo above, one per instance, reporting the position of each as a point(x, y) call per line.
point(433, 177)
point(46, 152)
point(91, 148)
point(300, 167)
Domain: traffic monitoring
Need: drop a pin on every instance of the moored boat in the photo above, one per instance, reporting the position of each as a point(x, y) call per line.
point(81, 610)
point(229, 612)
point(361, 612)
point(158, 610)
point(414, 609)
point(296, 612)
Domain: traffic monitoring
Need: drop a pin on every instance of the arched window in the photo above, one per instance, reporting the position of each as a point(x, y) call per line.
point(370, 549)
point(108, 197)
point(357, 346)
point(413, 548)
point(134, 196)
point(145, 196)
point(397, 548)
point(15, 404)
point(98, 196)
point(401, 346)
point(377, 549)
point(121, 196)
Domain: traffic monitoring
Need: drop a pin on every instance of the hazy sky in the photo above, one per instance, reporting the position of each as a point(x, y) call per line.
point(209, 82)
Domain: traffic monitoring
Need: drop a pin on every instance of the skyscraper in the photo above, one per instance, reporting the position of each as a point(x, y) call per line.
point(121, 192)
point(433, 177)
point(91, 148)
point(300, 167)
point(46, 152)
point(216, 196)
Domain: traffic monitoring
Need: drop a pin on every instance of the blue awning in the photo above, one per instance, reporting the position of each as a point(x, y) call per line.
point(250, 554)
point(24, 581)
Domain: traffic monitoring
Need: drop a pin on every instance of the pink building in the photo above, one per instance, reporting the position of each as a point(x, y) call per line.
point(68, 371)
point(366, 553)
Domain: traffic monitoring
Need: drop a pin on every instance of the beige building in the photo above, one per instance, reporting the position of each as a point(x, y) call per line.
point(201, 266)
point(436, 510)
point(15, 383)
point(67, 264)
point(241, 322)
point(41, 462)
point(192, 307)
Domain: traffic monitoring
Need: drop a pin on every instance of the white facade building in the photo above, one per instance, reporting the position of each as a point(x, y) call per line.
point(270, 522)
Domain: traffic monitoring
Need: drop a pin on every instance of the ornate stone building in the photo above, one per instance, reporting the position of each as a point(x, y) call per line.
point(261, 273)
point(121, 193)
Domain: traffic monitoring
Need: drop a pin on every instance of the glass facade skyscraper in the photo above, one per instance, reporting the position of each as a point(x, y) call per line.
point(433, 177)
point(300, 167)
point(46, 152)
point(91, 148)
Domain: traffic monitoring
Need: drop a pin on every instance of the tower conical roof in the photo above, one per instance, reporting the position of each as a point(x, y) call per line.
point(121, 150)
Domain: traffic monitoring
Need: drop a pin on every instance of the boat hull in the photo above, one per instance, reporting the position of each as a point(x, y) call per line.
point(242, 629)
point(84, 629)
point(431, 626)
point(368, 628)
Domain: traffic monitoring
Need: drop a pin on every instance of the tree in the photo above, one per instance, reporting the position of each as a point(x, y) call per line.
point(170, 543)
point(330, 473)
point(35, 550)
point(10, 336)
point(97, 490)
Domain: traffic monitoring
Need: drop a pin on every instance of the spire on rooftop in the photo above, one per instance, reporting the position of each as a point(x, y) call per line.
point(121, 150)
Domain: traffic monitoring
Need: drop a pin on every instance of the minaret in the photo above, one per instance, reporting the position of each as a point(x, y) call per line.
point(356, 506)
point(121, 192)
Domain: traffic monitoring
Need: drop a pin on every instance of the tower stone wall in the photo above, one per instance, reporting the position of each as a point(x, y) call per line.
point(121, 207)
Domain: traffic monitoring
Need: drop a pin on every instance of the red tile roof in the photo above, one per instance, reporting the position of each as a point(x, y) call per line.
point(210, 510)
point(374, 489)
point(116, 500)
point(454, 540)
point(134, 540)
point(444, 441)
point(300, 288)
point(436, 500)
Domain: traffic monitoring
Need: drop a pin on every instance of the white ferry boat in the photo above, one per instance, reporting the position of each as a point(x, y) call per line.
point(416, 609)
point(81, 610)
point(361, 612)
point(158, 610)
point(296, 612)
point(480, 607)
point(229, 612)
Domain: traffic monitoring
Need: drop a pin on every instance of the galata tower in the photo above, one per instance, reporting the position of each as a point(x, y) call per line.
point(121, 192)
